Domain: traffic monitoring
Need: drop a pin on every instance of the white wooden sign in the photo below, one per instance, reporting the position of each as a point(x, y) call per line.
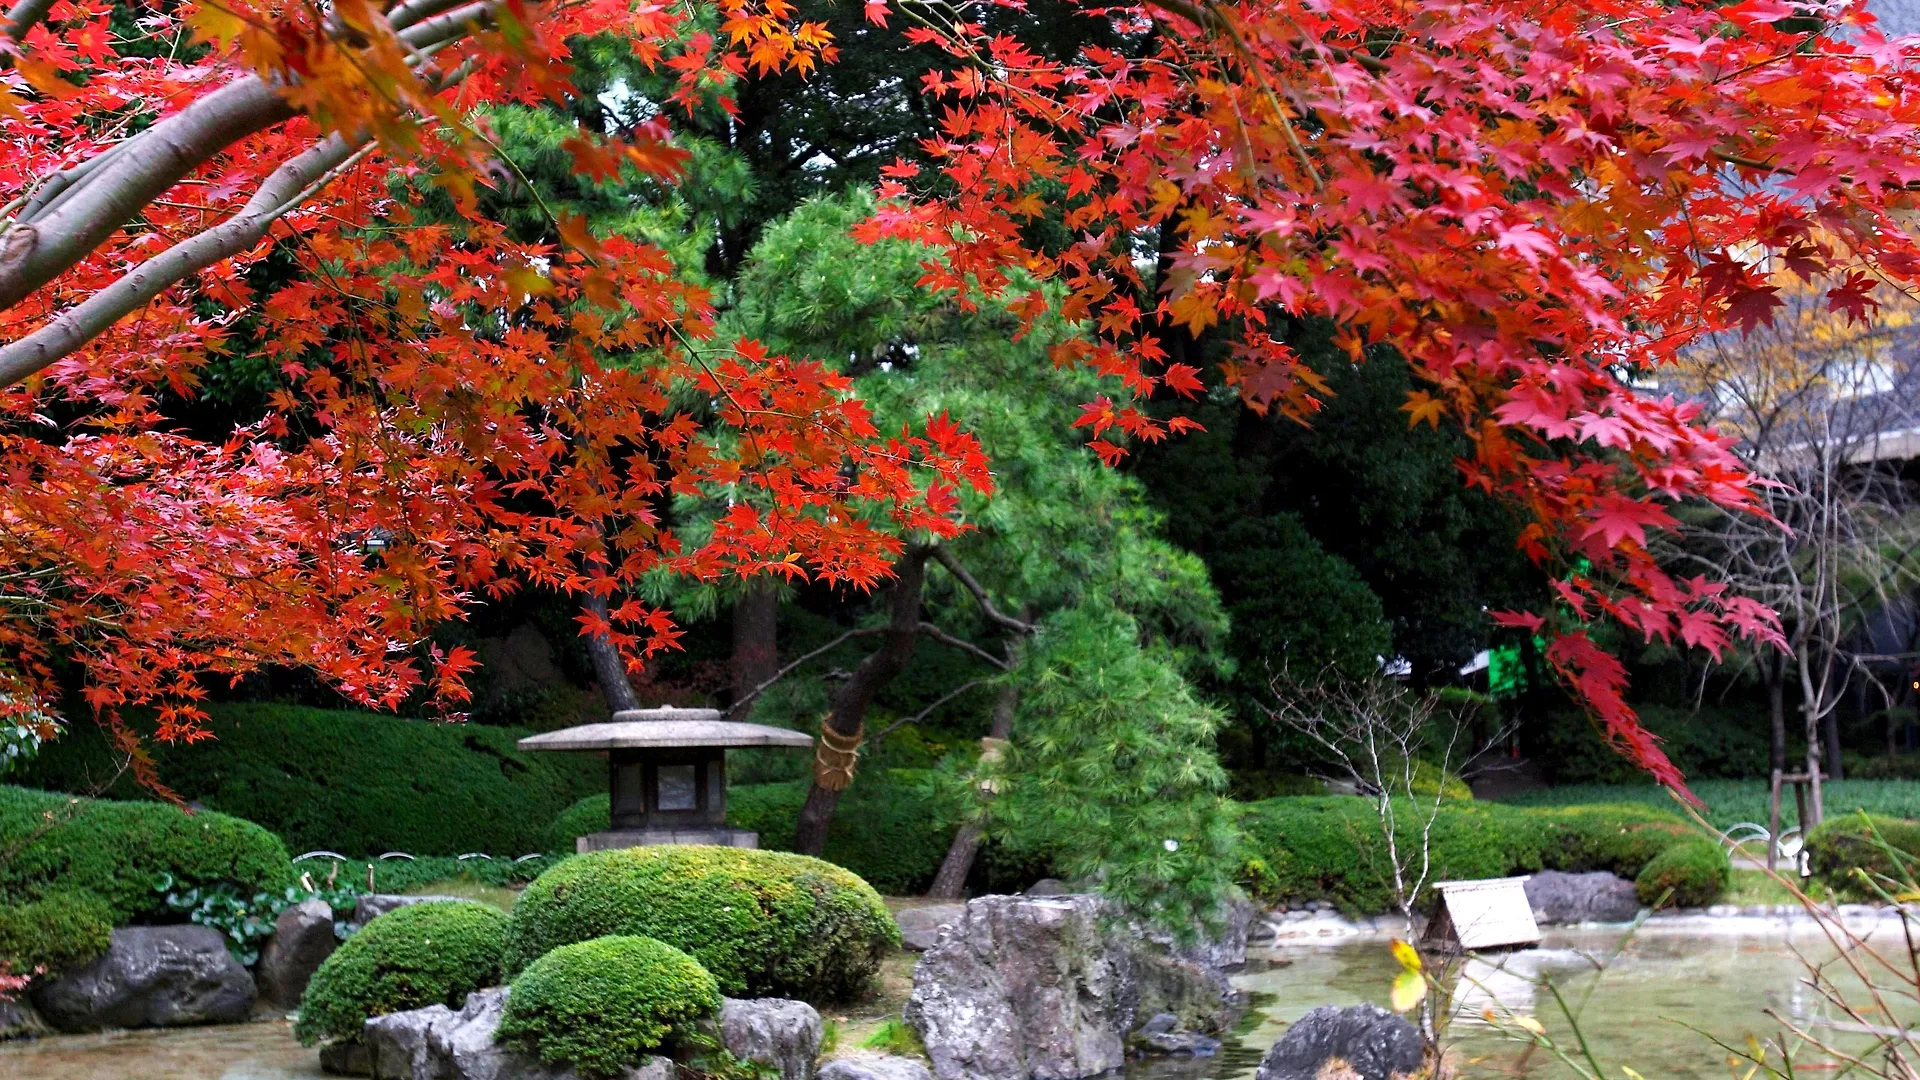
point(1489, 914)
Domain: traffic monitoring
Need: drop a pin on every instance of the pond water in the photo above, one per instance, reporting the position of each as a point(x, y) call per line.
point(1647, 994)
point(1653, 985)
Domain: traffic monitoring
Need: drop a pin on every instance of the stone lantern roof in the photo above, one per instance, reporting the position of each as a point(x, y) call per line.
point(641, 729)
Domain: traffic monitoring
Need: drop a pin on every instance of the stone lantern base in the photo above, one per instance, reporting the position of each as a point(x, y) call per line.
point(626, 838)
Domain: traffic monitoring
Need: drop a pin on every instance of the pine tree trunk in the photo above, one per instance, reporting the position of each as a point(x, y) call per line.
point(756, 640)
point(608, 668)
point(951, 882)
point(851, 701)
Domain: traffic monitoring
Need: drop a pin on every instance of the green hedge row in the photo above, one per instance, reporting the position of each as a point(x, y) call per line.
point(115, 851)
point(352, 782)
point(1865, 857)
point(1333, 847)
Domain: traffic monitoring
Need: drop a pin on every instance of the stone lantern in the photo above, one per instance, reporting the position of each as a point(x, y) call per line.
point(667, 773)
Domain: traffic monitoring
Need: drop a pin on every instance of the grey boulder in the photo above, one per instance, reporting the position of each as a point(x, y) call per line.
point(1364, 1042)
point(774, 1032)
point(1559, 897)
point(1049, 988)
point(302, 938)
point(1047, 886)
point(373, 905)
point(151, 976)
point(874, 1067)
point(438, 1043)
point(18, 1020)
point(1162, 1035)
point(920, 926)
point(346, 1058)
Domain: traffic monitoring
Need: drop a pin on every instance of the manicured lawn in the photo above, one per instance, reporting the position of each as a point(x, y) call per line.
point(1730, 802)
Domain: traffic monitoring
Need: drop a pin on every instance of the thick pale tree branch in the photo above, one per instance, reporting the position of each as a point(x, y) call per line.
point(22, 16)
point(289, 185)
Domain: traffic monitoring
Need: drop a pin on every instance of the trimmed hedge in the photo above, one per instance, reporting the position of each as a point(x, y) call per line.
point(412, 957)
point(600, 1005)
point(1844, 844)
point(58, 932)
point(1331, 847)
point(1688, 874)
point(352, 781)
point(887, 828)
point(767, 924)
point(116, 850)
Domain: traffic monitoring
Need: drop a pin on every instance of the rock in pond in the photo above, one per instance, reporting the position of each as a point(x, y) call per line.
point(1023, 987)
point(151, 976)
point(438, 1043)
point(1560, 897)
point(373, 905)
point(302, 938)
point(920, 926)
point(774, 1032)
point(874, 1067)
point(1162, 1035)
point(1364, 1042)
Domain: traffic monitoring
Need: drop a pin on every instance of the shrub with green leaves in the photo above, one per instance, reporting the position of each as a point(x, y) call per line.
point(116, 851)
point(58, 932)
point(1861, 856)
point(426, 954)
point(1692, 873)
point(600, 1005)
point(351, 781)
point(766, 923)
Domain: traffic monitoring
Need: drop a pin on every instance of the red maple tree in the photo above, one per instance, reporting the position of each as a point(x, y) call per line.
point(1535, 203)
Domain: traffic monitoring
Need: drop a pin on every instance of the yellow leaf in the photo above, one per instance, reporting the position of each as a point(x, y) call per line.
point(1409, 987)
point(1631, 1073)
point(213, 23)
point(1423, 406)
point(1408, 956)
point(1530, 1026)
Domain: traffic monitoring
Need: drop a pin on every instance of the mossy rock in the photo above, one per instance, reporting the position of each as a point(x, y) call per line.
point(1860, 856)
point(58, 932)
point(1689, 874)
point(425, 954)
point(765, 923)
point(600, 1005)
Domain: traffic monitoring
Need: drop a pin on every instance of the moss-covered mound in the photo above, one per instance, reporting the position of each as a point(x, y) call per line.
point(1865, 857)
point(427, 954)
point(56, 933)
point(116, 850)
point(352, 781)
point(600, 1005)
point(765, 923)
point(1688, 874)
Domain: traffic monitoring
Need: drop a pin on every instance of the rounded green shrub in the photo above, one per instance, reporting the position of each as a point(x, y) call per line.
point(599, 1005)
point(1691, 873)
point(350, 781)
point(766, 923)
point(426, 954)
point(116, 850)
point(1618, 837)
point(57, 933)
point(1859, 856)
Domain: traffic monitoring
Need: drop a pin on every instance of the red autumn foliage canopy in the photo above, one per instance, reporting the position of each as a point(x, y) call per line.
point(1533, 202)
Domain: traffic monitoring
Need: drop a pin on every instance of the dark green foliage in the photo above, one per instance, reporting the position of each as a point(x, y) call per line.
point(1691, 873)
point(599, 1005)
point(1303, 611)
point(1862, 857)
point(765, 923)
point(1710, 742)
point(408, 875)
point(354, 782)
point(1332, 847)
point(117, 850)
point(427, 954)
point(58, 932)
point(888, 829)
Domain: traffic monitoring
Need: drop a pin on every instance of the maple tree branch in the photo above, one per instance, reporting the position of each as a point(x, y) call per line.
point(947, 559)
point(34, 252)
point(284, 189)
point(23, 16)
point(949, 640)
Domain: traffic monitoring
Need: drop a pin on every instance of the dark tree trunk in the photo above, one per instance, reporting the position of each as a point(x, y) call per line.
point(851, 701)
point(608, 668)
point(1776, 680)
point(756, 637)
point(1830, 726)
point(951, 881)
